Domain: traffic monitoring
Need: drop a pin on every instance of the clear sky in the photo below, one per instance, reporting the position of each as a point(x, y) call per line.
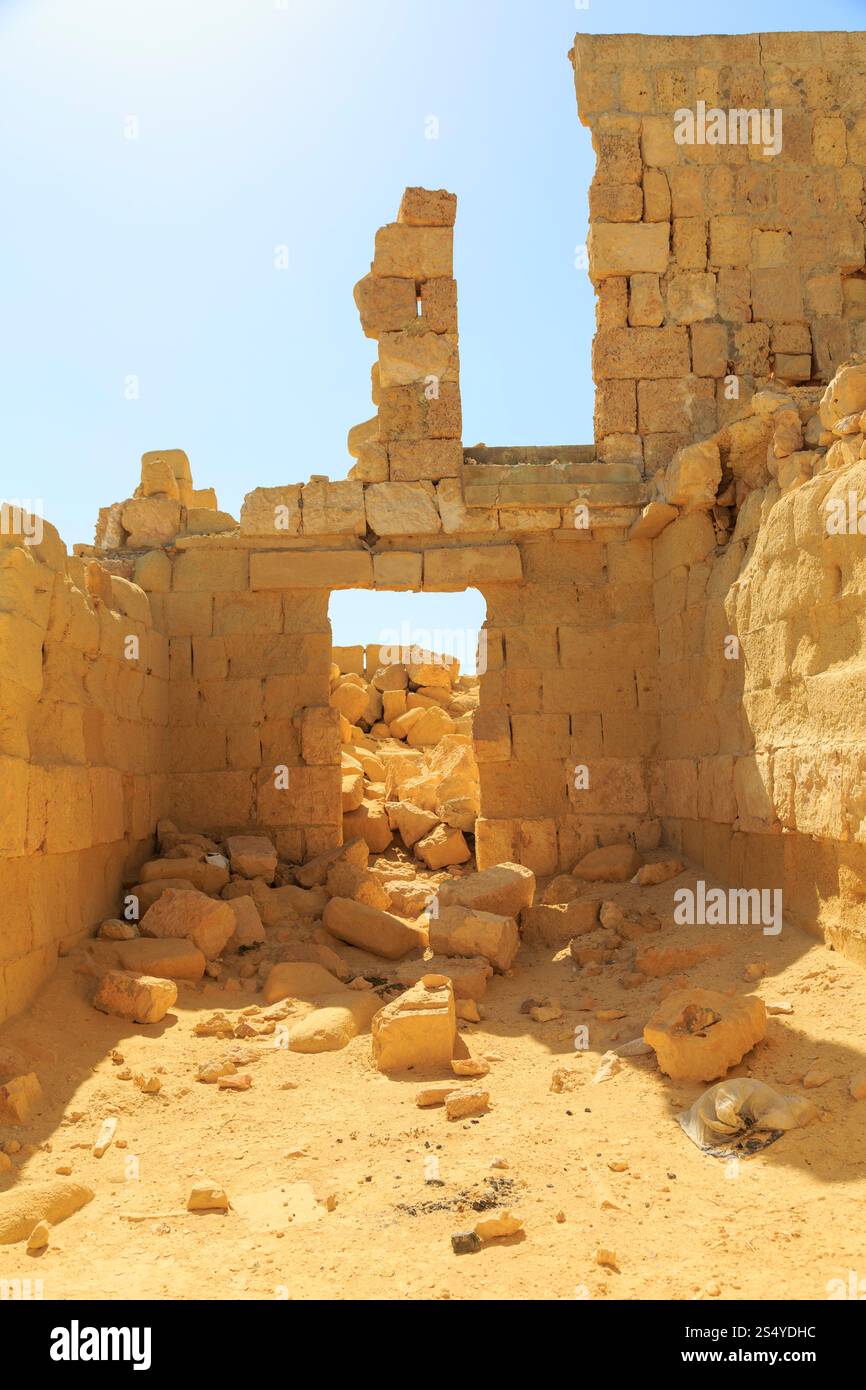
point(286, 123)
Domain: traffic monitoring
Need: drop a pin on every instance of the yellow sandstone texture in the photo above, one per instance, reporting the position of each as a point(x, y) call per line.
point(672, 654)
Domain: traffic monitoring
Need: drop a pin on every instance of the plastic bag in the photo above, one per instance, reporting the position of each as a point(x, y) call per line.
point(742, 1116)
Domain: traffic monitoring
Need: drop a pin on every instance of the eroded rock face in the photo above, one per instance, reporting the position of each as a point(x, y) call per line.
point(699, 1034)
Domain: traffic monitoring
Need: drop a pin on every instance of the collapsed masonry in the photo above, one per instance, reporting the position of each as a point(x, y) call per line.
point(674, 632)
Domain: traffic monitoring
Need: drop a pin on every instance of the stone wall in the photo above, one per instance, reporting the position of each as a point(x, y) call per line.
point(718, 260)
point(83, 724)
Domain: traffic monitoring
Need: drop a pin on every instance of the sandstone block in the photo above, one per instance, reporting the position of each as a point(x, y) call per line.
point(464, 931)
point(253, 856)
point(332, 1026)
point(417, 1031)
point(141, 998)
point(315, 872)
point(468, 975)
point(442, 847)
point(248, 924)
point(208, 922)
point(427, 207)
point(412, 822)
point(386, 304)
point(20, 1098)
point(620, 248)
point(430, 728)
point(610, 864)
point(167, 959)
point(370, 822)
point(699, 1034)
point(505, 889)
point(693, 477)
point(370, 929)
point(302, 980)
point(402, 509)
point(413, 253)
point(207, 878)
point(446, 570)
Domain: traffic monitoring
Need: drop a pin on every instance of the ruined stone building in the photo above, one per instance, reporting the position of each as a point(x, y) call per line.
point(675, 631)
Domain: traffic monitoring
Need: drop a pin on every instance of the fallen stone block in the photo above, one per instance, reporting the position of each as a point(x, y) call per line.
point(370, 822)
point(699, 1034)
point(302, 980)
point(149, 893)
point(470, 1101)
point(167, 959)
point(371, 929)
point(22, 1208)
point(208, 922)
point(141, 998)
point(468, 975)
point(253, 856)
point(345, 881)
point(610, 864)
point(341, 1017)
point(658, 961)
point(498, 1226)
point(411, 821)
point(207, 878)
point(248, 925)
point(20, 1098)
point(280, 907)
point(315, 872)
point(443, 847)
point(659, 871)
point(463, 931)
point(557, 923)
point(115, 930)
point(504, 888)
point(207, 1196)
point(417, 1031)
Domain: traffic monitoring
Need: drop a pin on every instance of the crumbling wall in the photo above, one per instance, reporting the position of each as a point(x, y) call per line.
point(83, 717)
point(714, 260)
point(730, 292)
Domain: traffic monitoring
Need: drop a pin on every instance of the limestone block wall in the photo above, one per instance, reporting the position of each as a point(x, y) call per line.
point(762, 749)
point(83, 717)
point(713, 260)
point(570, 680)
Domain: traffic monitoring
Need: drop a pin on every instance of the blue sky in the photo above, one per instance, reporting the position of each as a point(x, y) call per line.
point(297, 123)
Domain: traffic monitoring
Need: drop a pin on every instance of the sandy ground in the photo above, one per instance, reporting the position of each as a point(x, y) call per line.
point(328, 1131)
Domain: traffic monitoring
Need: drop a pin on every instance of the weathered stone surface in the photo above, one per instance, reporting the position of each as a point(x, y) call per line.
point(207, 878)
point(464, 931)
point(252, 855)
point(699, 1034)
point(417, 1031)
point(331, 1026)
point(20, 1099)
point(207, 922)
point(402, 509)
point(22, 1208)
point(372, 930)
point(504, 889)
point(468, 975)
point(248, 925)
point(141, 998)
point(303, 980)
point(315, 872)
point(443, 846)
point(610, 864)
